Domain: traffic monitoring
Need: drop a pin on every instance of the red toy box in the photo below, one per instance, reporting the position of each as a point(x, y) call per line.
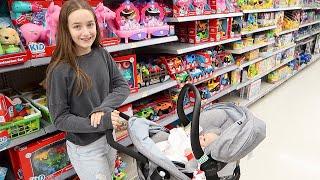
point(42, 159)
point(128, 68)
point(220, 29)
point(198, 31)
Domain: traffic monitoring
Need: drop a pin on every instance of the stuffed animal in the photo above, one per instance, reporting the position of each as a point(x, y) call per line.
point(52, 19)
point(9, 38)
point(33, 32)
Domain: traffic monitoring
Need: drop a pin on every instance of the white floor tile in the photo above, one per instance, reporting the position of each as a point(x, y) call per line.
point(291, 150)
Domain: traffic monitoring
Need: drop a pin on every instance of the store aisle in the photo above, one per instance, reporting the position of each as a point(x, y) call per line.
point(291, 150)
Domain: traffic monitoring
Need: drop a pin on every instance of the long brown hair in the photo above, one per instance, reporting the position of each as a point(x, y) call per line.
point(65, 50)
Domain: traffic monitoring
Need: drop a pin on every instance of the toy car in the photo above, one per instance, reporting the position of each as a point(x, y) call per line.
point(147, 113)
point(196, 73)
point(214, 84)
point(163, 107)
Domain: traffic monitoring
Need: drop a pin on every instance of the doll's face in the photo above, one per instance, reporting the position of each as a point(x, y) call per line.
point(207, 138)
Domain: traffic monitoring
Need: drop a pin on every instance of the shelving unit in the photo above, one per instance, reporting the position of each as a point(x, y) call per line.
point(271, 10)
point(250, 48)
point(195, 18)
point(259, 30)
point(148, 42)
point(181, 48)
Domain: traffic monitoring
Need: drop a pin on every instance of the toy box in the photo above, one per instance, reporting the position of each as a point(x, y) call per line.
point(42, 159)
point(218, 6)
point(181, 8)
point(235, 77)
point(251, 55)
point(37, 21)
point(220, 29)
point(182, 32)
point(151, 72)
point(11, 49)
point(152, 17)
point(128, 68)
point(128, 18)
point(253, 89)
point(236, 27)
point(250, 22)
point(121, 132)
point(105, 18)
point(200, 7)
point(198, 31)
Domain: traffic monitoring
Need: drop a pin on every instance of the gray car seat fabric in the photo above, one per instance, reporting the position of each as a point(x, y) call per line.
point(238, 129)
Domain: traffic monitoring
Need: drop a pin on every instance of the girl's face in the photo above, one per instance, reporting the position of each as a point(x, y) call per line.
point(82, 28)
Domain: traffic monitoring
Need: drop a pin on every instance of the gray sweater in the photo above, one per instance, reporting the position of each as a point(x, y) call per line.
point(71, 113)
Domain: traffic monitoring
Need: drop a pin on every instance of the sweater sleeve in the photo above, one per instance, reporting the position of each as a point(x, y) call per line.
point(120, 89)
point(59, 108)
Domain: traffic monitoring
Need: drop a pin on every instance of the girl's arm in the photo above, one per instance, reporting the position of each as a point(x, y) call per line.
point(59, 109)
point(120, 90)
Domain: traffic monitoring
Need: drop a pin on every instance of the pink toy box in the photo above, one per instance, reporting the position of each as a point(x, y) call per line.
point(105, 18)
point(181, 8)
point(200, 7)
point(46, 158)
point(152, 16)
point(127, 20)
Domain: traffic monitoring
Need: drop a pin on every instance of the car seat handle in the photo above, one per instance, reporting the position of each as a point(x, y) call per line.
point(195, 143)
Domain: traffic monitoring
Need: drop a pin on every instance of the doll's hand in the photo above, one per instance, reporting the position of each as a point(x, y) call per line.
point(115, 118)
point(96, 118)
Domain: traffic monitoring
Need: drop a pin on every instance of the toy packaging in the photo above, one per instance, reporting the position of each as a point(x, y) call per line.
point(198, 31)
point(220, 29)
point(42, 159)
point(120, 169)
point(218, 6)
point(152, 17)
point(11, 49)
point(128, 23)
point(253, 89)
point(121, 131)
point(181, 8)
point(236, 27)
point(250, 22)
point(37, 21)
point(128, 68)
point(105, 18)
point(235, 77)
point(251, 55)
point(200, 7)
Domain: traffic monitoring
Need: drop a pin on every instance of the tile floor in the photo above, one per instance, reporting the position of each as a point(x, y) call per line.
point(291, 150)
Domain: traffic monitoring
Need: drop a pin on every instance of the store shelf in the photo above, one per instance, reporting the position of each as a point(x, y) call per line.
point(250, 48)
point(259, 30)
point(218, 72)
point(195, 18)
point(181, 48)
point(148, 42)
point(265, 89)
point(248, 63)
point(23, 139)
point(28, 64)
point(149, 90)
point(264, 74)
point(308, 8)
point(308, 35)
point(270, 10)
point(309, 24)
point(305, 42)
point(286, 31)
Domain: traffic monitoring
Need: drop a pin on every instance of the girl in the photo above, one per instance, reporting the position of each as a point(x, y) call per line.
point(84, 88)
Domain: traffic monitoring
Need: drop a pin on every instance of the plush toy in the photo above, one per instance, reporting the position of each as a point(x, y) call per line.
point(105, 17)
point(52, 19)
point(33, 33)
point(9, 38)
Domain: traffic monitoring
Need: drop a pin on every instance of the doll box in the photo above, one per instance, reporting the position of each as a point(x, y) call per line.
point(198, 31)
point(45, 158)
point(128, 68)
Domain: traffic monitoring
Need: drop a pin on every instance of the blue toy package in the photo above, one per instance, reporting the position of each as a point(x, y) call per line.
point(3, 172)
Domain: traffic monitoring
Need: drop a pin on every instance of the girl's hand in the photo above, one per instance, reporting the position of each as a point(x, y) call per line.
point(115, 118)
point(96, 118)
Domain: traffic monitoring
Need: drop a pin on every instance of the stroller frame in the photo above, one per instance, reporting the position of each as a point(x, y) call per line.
point(208, 165)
